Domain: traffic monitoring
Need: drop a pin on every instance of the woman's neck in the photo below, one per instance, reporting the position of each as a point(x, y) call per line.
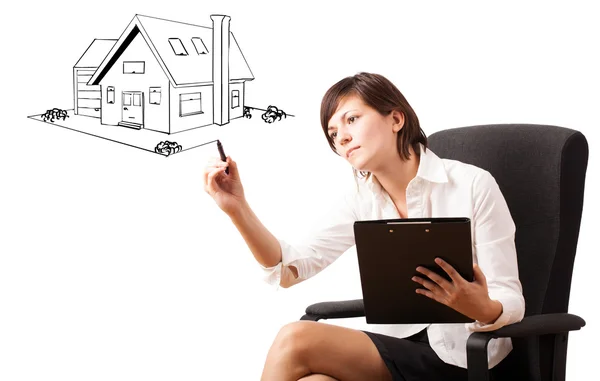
point(396, 175)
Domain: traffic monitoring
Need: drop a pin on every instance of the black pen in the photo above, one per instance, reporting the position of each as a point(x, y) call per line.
point(222, 153)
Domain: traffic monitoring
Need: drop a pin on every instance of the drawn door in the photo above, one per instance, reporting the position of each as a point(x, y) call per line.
point(133, 107)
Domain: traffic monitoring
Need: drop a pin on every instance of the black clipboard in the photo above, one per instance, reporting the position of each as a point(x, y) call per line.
point(389, 252)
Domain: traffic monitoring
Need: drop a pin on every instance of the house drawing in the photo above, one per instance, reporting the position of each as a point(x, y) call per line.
point(163, 76)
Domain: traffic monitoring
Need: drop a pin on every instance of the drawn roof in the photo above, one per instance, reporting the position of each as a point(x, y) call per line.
point(190, 69)
point(95, 53)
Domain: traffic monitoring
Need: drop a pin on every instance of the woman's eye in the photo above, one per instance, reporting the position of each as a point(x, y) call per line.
point(333, 135)
point(351, 119)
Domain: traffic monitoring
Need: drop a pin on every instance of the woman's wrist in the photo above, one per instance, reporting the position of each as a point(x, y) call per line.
point(491, 312)
point(240, 213)
point(264, 246)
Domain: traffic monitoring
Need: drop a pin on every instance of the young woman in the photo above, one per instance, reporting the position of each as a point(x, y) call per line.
point(367, 121)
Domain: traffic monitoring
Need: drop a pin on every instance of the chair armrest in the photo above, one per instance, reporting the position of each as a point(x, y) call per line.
point(546, 324)
point(335, 310)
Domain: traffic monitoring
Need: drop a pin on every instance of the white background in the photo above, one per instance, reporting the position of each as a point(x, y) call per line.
point(115, 265)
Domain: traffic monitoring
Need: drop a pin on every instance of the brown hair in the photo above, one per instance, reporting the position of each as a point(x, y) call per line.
point(379, 93)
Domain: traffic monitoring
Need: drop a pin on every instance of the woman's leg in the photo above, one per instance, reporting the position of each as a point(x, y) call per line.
point(303, 348)
point(317, 377)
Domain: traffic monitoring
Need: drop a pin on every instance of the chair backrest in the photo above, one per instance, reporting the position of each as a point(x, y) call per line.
point(541, 172)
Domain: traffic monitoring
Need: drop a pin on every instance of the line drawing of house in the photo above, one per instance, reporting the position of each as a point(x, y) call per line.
point(160, 78)
point(164, 76)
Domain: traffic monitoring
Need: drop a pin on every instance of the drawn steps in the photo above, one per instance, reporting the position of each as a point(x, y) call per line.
point(135, 126)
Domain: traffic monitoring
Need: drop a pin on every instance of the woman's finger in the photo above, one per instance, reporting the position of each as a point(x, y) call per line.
point(478, 275)
point(205, 172)
point(443, 283)
point(214, 159)
point(216, 164)
point(211, 182)
point(454, 275)
point(208, 169)
point(233, 168)
point(209, 185)
point(426, 283)
point(430, 295)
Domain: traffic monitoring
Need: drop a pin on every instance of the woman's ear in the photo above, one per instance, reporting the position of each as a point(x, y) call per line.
point(398, 120)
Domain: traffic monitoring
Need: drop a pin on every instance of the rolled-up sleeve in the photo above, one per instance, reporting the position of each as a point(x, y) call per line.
point(328, 238)
point(495, 252)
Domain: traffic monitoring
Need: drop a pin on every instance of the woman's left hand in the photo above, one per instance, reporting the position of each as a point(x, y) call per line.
point(469, 298)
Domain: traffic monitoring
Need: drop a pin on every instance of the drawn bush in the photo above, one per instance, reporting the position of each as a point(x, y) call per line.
point(247, 113)
point(167, 148)
point(272, 114)
point(55, 114)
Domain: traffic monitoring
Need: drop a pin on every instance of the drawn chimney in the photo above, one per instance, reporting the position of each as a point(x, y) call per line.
point(220, 54)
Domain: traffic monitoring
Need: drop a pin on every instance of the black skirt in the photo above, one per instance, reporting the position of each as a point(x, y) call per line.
point(412, 359)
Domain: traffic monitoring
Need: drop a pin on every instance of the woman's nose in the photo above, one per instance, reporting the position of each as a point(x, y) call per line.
point(343, 136)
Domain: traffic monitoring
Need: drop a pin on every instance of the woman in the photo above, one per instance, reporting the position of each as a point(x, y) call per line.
point(368, 121)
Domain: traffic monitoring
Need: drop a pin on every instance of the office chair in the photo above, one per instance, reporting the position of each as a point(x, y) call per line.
point(541, 172)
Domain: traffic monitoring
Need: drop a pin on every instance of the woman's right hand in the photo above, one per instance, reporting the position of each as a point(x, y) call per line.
point(225, 189)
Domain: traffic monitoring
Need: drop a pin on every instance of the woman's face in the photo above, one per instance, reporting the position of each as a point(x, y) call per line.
point(364, 137)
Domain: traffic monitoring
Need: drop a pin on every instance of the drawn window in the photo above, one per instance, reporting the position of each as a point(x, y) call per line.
point(190, 104)
point(110, 94)
point(137, 99)
point(235, 98)
point(133, 67)
point(155, 95)
point(126, 99)
point(199, 45)
point(178, 47)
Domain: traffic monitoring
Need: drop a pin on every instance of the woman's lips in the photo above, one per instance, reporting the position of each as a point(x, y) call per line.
point(351, 150)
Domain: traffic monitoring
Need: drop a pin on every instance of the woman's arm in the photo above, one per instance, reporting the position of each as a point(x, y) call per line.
point(496, 252)
point(228, 193)
point(494, 298)
point(262, 243)
point(319, 245)
point(285, 265)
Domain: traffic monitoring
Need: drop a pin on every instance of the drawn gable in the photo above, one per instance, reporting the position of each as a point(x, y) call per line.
point(126, 86)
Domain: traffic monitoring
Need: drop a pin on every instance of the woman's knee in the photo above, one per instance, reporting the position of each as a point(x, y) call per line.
point(295, 339)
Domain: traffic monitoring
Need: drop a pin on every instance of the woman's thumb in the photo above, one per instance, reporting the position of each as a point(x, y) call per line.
point(478, 275)
point(233, 169)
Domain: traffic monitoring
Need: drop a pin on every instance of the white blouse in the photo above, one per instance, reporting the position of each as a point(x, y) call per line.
point(441, 188)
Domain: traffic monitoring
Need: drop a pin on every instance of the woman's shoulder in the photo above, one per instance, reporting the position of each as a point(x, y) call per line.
point(458, 171)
